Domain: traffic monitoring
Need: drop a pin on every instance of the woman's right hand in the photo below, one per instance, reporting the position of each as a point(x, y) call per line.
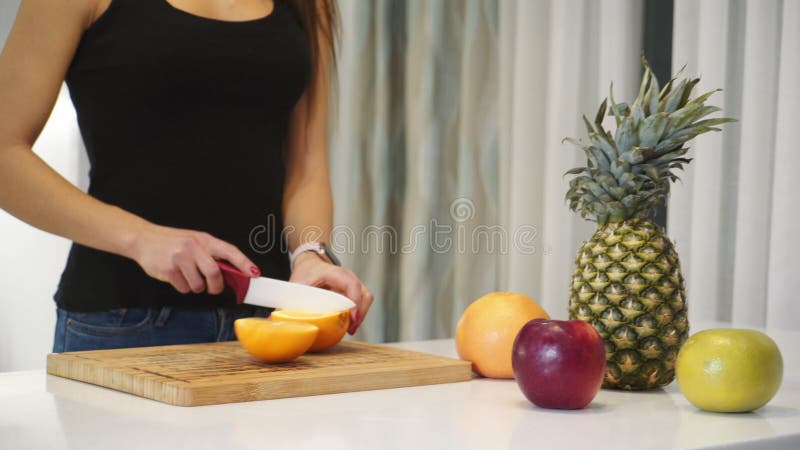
point(187, 259)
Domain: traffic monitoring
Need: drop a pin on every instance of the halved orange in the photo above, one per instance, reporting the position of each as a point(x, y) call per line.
point(332, 326)
point(273, 341)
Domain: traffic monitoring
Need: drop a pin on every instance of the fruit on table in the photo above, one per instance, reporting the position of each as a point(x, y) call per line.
point(559, 364)
point(627, 280)
point(487, 328)
point(273, 341)
point(332, 326)
point(729, 370)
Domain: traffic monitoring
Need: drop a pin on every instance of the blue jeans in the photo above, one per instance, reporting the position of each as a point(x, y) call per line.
point(144, 327)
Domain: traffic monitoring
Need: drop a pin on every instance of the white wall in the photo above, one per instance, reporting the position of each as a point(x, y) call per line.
point(33, 260)
point(8, 9)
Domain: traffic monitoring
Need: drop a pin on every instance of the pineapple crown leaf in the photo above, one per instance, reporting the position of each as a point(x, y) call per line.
point(628, 172)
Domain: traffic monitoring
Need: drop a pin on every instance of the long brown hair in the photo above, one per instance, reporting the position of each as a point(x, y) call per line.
point(320, 19)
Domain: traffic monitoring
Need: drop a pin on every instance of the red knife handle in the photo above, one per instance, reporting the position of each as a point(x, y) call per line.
point(235, 279)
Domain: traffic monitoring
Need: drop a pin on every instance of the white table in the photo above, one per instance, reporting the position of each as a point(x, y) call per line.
point(38, 411)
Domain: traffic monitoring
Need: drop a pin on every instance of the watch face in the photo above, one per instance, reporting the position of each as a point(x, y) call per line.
point(327, 251)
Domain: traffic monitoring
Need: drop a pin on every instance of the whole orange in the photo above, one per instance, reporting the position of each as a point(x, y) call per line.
point(486, 331)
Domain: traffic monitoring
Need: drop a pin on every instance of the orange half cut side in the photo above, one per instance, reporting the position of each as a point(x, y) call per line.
point(273, 341)
point(332, 326)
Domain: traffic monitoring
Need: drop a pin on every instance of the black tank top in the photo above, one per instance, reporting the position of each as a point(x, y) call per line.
point(184, 120)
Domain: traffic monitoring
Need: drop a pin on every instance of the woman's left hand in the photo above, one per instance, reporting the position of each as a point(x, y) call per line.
point(312, 270)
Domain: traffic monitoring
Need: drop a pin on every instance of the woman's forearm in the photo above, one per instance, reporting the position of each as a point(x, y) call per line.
point(34, 193)
point(307, 199)
point(308, 205)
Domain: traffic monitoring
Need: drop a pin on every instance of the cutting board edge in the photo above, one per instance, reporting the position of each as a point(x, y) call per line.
point(159, 389)
point(198, 395)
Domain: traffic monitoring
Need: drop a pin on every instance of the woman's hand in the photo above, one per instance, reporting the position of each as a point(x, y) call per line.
point(187, 259)
point(310, 269)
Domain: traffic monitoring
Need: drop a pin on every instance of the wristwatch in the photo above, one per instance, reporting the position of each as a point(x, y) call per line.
point(319, 248)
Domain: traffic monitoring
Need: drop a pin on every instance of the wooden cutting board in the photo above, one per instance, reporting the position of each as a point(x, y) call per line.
point(207, 374)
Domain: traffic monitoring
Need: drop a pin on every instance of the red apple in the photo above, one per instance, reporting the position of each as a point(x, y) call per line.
point(559, 364)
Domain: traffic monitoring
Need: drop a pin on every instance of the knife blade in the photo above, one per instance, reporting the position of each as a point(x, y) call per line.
point(272, 293)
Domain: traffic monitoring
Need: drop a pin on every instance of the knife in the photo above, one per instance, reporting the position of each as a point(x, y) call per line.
point(272, 293)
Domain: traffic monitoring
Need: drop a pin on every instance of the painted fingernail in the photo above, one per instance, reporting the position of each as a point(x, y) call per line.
point(254, 270)
point(358, 317)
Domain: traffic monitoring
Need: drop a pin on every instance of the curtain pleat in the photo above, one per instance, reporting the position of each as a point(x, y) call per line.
point(525, 29)
point(451, 137)
point(475, 257)
point(431, 95)
point(731, 216)
point(562, 57)
point(753, 213)
point(474, 184)
point(367, 147)
point(783, 284)
point(699, 208)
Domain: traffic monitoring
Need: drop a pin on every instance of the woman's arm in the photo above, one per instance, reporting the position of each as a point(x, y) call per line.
point(33, 64)
point(307, 199)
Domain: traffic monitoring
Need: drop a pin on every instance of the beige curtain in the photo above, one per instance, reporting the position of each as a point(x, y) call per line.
point(734, 217)
point(417, 132)
point(450, 120)
point(559, 58)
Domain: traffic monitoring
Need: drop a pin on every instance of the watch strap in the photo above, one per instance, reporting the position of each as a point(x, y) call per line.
point(317, 247)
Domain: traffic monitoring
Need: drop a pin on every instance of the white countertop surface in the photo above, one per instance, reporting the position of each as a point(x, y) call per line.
point(39, 411)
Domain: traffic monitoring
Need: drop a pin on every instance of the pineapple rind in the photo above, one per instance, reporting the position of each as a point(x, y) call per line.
point(642, 319)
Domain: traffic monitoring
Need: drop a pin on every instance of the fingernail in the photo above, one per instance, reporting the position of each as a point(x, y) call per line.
point(254, 270)
point(358, 317)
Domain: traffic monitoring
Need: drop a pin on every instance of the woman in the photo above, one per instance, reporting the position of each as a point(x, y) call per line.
point(205, 125)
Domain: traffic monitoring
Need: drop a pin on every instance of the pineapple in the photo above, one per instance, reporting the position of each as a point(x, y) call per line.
point(627, 280)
